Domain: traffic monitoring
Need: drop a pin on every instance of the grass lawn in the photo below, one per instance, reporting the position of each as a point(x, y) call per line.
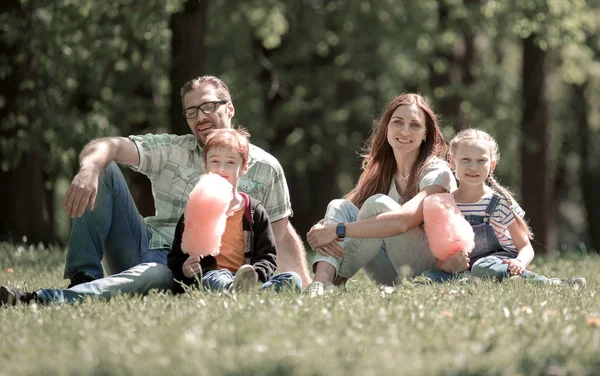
point(510, 328)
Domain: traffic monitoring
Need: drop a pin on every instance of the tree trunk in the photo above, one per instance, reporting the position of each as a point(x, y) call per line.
point(26, 207)
point(26, 204)
point(188, 54)
point(536, 186)
point(458, 77)
point(590, 168)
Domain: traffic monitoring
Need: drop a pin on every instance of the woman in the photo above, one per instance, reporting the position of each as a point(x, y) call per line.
point(377, 225)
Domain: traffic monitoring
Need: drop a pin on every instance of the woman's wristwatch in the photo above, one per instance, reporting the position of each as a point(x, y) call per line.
point(340, 230)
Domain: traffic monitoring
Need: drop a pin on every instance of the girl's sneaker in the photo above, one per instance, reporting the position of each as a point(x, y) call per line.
point(576, 282)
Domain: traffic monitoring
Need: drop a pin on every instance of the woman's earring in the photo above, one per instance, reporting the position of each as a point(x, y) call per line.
point(424, 138)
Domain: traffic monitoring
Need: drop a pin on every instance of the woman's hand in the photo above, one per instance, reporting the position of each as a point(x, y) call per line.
point(455, 263)
point(515, 266)
point(191, 267)
point(322, 239)
point(332, 249)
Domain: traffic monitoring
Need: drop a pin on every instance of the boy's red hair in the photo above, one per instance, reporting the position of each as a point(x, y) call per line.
point(236, 139)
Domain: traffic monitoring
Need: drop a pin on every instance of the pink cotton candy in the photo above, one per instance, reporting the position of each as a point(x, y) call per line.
point(446, 228)
point(205, 217)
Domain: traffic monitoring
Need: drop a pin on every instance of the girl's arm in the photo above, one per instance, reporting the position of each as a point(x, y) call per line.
point(384, 225)
point(525, 250)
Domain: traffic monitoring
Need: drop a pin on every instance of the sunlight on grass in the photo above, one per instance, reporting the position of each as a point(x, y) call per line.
point(513, 328)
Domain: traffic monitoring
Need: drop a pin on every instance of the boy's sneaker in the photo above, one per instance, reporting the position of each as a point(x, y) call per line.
point(245, 278)
point(79, 278)
point(9, 296)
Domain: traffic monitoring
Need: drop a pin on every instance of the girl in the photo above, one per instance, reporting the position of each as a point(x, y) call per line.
point(377, 225)
point(502, 237)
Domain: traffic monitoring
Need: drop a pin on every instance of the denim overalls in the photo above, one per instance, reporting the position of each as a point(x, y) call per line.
point(486, 258)
point(486, 241)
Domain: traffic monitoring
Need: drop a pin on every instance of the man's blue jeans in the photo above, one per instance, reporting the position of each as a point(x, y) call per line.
point(114, 226)
point(139, 279)
point(114, 232)
point(222, 280)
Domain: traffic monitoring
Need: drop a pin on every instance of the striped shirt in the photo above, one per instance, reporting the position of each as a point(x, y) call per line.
point(174, 165)
point(502, 217)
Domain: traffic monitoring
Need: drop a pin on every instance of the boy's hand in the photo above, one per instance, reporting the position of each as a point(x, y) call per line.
point(515, 266)
point(191, 267)
point(455, 263)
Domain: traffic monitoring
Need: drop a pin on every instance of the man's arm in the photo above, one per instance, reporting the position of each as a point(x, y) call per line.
point(99, 152)
point(291, 255)
point(93, 158)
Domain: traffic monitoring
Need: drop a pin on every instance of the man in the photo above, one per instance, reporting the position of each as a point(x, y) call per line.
point(107, 225)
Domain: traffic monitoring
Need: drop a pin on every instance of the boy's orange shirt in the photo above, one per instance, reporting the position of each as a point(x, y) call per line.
point(231, 254)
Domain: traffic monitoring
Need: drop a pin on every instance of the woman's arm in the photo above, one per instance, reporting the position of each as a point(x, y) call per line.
point(384, 225)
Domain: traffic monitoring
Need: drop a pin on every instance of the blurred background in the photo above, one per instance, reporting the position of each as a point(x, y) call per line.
point(308, 78)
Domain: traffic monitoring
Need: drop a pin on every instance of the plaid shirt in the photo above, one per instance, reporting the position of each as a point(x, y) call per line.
point(174, 165)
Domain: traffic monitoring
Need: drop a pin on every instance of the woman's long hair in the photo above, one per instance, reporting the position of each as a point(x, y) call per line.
point(379, 164)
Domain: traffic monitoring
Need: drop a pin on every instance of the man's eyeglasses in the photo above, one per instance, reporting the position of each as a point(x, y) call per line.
point(206, 108)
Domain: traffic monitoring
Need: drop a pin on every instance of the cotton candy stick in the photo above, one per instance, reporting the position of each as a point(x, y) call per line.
point(205, 216)
point(446, 228)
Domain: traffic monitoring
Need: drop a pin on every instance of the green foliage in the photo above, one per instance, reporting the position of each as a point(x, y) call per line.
point(450, 329)
point(308, 76)
point(97, 68)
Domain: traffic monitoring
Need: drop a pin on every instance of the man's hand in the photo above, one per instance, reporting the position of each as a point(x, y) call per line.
point(515, 266)
point(191, 267)
point(82, 192)
point(455, 263)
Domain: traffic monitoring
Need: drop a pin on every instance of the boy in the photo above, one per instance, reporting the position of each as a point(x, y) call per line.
point(247, 254)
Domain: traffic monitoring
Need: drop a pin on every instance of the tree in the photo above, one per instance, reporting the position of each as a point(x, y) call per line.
point(74, 72)
point(535, 174)
point(27, 204)
point(188, 54)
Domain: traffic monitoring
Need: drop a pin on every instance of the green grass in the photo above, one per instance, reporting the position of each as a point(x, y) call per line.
point(471, 329)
